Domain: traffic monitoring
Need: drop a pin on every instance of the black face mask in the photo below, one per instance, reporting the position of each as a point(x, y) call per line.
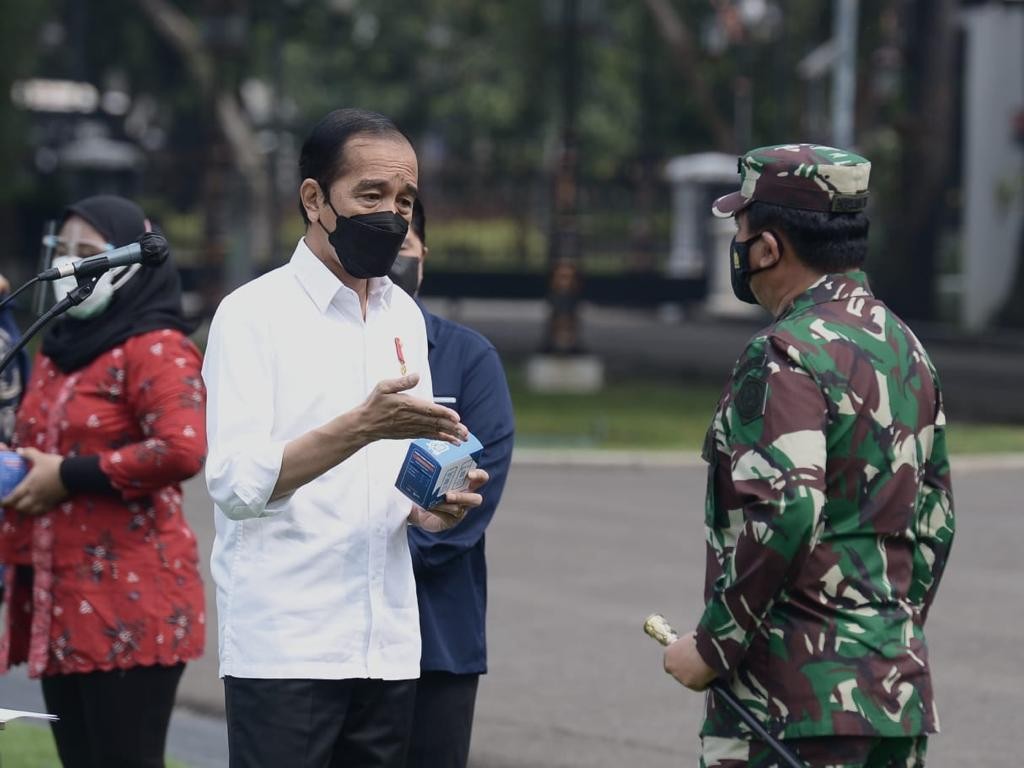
point(405, 273)
point(740, 271)
point(368, 244)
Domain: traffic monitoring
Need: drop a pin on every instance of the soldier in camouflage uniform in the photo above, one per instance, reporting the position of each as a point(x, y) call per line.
point(829, 514)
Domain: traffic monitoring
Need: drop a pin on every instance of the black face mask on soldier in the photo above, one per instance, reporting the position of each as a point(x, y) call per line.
point(405, 273)
point(739, 268)
point(368, 244)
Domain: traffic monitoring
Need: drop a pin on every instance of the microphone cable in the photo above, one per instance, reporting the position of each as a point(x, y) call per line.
point(10, 297)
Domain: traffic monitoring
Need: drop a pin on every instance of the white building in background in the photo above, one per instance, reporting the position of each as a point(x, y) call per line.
point(700, 242)
point(993, 161)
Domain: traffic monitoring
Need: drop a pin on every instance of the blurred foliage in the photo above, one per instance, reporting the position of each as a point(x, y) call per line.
point(21, 22)
point(477, 85)
point(482, 244)
point(481, 76)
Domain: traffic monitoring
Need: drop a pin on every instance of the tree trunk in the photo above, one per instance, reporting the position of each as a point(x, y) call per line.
point(1011, 315)
point(679, 40)
point(184, 36)
point(917, 217)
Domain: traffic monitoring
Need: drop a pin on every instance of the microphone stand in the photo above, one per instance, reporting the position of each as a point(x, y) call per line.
point(74, 298)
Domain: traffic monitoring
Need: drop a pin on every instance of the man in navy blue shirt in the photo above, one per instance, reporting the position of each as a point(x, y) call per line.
point(14, 378)
point(12, 382)
point(451, 573)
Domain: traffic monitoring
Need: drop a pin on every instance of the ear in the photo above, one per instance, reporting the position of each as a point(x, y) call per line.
point(771, 253)
point(312, 198)
point(147, 226)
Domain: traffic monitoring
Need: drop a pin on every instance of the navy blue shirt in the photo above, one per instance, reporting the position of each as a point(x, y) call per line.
point(13, 378)
point(451, 573)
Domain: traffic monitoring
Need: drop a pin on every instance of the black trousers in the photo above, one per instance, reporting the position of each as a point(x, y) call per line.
point(117, 718)
point(352, 723)
point(443, 721)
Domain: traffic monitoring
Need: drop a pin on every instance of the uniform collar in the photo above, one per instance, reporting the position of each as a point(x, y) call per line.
point(323, 286)
point(837, 286)
point(431, 321)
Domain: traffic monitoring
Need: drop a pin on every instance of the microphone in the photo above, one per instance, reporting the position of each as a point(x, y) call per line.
point(150, 250)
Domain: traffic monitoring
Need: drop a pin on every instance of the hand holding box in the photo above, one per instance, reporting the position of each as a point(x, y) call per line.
point(432, 468)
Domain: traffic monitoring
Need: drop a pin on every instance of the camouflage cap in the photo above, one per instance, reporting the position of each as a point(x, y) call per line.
point(807, 176)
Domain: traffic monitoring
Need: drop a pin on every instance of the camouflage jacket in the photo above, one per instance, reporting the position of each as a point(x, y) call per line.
point(829, 519)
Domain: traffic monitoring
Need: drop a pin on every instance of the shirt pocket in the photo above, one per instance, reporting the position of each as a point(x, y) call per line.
point(715, 517)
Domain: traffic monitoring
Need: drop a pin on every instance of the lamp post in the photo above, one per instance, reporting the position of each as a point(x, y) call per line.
point(561, 364)
point(844, 72)
point(564, 251)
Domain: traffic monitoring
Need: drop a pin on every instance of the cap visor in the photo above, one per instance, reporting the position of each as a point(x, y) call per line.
point(728, 205)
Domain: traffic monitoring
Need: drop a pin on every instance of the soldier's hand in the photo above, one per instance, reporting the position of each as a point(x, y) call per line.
point(390, 414)
point(684, 662)
point(454, 508)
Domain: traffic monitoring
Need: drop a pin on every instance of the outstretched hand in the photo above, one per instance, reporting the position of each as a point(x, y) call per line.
point(390, 414)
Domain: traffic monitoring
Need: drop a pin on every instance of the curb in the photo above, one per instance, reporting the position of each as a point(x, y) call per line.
point(979, 462)
point(575, 457)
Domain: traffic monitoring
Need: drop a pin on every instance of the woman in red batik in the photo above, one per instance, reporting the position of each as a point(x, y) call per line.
point(105, 598)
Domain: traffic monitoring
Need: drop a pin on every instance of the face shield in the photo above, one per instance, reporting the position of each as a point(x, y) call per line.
point(55, 251)
point(46, 249)
point(73, 247)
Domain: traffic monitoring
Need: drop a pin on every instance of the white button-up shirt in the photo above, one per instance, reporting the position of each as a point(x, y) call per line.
point(317, 584)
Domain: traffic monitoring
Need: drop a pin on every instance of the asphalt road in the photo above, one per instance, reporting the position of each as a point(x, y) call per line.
point(580, 555)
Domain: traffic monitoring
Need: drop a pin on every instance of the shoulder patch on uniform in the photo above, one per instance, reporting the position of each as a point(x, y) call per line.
point(757, 360)
point(751, 398)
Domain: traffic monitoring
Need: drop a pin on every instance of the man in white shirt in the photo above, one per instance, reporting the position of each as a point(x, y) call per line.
point(317, 376)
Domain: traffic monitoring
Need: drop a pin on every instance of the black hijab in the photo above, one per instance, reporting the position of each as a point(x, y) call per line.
point(149, 301)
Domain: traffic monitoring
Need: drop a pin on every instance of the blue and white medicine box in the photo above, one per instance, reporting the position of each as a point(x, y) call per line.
point(13, 469)
point(434, 467)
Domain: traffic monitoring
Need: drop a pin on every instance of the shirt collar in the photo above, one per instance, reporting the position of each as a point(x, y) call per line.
point(322, 285)
point(837, 286)
point(382, 288)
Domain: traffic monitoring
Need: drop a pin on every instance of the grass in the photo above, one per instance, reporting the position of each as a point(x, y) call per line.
point(487, 244)
point(985, 438)
point(649, 415)
point(625, 415)
point(31, 746)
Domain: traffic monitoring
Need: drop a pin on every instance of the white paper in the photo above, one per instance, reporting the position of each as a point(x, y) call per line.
point(6, 715)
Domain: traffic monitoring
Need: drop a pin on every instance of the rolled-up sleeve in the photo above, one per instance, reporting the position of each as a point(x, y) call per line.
point(934, 521)
point(775, 429)
point(165, 397)
point(244, 462)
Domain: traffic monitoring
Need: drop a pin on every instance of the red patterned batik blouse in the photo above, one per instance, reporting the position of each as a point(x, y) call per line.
point(114, 576)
